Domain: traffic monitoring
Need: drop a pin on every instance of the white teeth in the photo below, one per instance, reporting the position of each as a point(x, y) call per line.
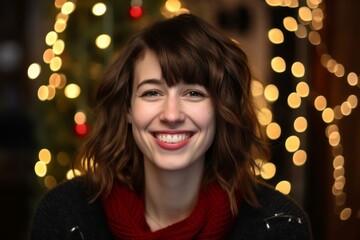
point(172, 138)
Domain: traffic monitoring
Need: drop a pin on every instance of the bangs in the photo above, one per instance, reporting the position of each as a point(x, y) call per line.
point(179, 55)
point(181, 64)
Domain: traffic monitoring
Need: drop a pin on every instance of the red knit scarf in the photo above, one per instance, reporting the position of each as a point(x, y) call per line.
point(210, 219)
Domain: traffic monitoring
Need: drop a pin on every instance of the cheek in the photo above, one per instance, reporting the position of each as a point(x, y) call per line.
point(140, 116)
point(204, 117)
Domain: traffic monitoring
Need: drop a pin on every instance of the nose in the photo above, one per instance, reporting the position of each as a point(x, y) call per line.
point(172, 110)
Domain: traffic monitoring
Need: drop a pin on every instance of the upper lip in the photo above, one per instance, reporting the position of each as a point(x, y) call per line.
point(172, 132)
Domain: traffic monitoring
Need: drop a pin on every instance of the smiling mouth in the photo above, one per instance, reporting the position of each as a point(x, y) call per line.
point(173, 138)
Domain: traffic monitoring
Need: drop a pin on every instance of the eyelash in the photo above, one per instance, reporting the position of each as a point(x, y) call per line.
point(191, 93)
point(194, 93)
point(150, 93)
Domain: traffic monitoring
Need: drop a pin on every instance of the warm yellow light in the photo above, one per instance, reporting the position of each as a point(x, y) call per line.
point(68, 8)
point(305, 14)
point(103, 41)
point(80, 118)
point(300, 124)
point(294, 100)
point(298, 69)
point(173, 5)
point(271, 93)
point(43, 93)
point(338, 162)
point(58, 46)
point(353, 101)
point(320, 103)
point(314, 38)
point(283, 187)
point(276, 36)
point(278, 64)
point(299, 157)
point(336, 192)
point(345, 214)
point(328, 115)
point(40, 169)
point(268, 170)
point(63, 81)
point(99, 9)
point(54, 80)
point(51, 38)
point(330, 129)
point(352, 79)
point(338, 172)
point(55, 64)
point(339, 70)
point(302, 89)
point(346, 108)
point(34, 70)
point(294, 4)
point(315, 2)
point(50, 182)
point(318, 14)
point(48, 55)
point(44, 155)
point(274, 3)
point(72, 173)
point(316, 25)
point(290, 24)
point(339, 183)
point(60, 25)
point(334, 138)
point(59, 3)
point(332, 65)
point(301, 31)
point(292, 143)
point(62, 16)
point(273, 131)
point(286, 3)
point(257, 88)
point(52, 92)
point(264, 116)
point(72, 90)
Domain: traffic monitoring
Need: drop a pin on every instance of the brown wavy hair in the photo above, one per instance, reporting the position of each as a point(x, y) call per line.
point(191, 50)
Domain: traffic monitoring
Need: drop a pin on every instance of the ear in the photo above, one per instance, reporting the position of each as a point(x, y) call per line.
point(129, 116)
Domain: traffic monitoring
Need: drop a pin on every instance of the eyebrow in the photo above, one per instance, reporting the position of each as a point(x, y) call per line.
point(150, 81)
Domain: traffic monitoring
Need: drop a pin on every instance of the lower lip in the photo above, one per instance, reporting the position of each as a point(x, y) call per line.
point(172, 146)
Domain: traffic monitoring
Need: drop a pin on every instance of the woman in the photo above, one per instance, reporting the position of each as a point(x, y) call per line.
point(172, 153)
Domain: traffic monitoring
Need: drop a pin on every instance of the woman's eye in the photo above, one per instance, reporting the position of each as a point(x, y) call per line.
point(150, 94)
point(195, 94)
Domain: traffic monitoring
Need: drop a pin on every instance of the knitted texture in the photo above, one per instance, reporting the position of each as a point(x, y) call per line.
point(65, 213)
point(210, 219)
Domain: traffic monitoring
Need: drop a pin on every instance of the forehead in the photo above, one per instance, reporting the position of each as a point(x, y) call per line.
point(147, 67)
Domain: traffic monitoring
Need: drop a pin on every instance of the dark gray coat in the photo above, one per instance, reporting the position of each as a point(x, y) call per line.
point(64, 213)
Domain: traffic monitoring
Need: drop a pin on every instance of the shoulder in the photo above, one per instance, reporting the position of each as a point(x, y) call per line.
point(278, 217)
point(65, 212)
point(67, 195)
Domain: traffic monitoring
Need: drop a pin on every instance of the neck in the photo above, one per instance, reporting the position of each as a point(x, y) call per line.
point(170, 196)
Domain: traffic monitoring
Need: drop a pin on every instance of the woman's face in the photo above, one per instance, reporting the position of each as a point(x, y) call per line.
point(172, 126)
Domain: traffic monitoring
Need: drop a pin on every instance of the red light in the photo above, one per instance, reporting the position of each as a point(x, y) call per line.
point(136, 12)
point(81, 129)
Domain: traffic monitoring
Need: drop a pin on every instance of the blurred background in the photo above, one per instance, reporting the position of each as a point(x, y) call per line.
point(305, 59)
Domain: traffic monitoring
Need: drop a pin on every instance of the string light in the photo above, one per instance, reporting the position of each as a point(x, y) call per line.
point(310, 22)
point(34, 70)
point(306, 26)
point(99, 9)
